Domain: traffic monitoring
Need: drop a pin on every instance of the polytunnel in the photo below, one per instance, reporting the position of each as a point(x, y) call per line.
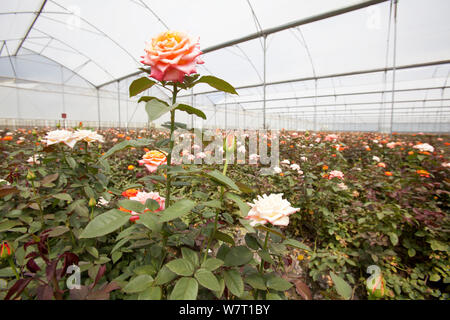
point(330, 65)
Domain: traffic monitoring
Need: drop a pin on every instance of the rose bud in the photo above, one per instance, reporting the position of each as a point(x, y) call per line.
point(5, 250)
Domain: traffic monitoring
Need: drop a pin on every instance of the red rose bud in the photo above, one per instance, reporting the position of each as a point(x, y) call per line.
point(5, 250)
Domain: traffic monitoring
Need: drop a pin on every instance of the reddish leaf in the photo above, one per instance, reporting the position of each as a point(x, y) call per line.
point(17, 288)
point(69, 259)
point(303, 290)
point(79, 294)
point(4, 191)
point(51, 270)
point(100, 273)
point(44, 292)
point(32, 266)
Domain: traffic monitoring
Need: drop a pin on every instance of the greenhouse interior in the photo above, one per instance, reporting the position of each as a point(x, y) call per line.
point(328, 65)
point(225, 150)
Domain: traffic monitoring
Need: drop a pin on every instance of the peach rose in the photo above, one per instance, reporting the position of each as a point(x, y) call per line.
point(172, 55)
point(153, 159)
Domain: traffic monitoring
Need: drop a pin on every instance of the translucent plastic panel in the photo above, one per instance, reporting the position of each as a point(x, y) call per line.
point(14, 26)
point(272, 14)
point(20, 5)
point(240, 65)
point(213, 21)
point(423, 31)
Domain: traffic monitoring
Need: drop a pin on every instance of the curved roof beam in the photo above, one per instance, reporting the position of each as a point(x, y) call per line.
point(266, 32)
point(31, 27)
point(57, 62)
point(77, 51)
point(143, 4)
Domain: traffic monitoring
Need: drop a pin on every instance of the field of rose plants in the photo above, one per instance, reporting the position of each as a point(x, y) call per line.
point(355, 200)
point(140, 214)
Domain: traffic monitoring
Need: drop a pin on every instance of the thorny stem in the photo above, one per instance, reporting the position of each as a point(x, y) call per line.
point(13, 267)
point(171, 143)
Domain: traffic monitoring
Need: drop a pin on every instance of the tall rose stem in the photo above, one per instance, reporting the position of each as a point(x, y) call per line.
point(171, 143)
point(261, 267)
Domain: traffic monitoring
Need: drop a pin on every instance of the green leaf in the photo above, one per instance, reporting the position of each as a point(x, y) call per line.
point(342, 287)
point(273, 296)
point(8, 224)
point(155, 109)
point(256, 281)
point(138, 284)
point(132, 205)
point(243, 207)
point(438, 245)
point(71, 162)
point(223, 237)
point(411, 252)
point(150, 220)
point(238, 256)
point(164, 276)
point(222, 179)
point(251, 241)
point(145, 269)
point(296, 244)
point(189, 110)
point(139, 85)
point(223, 251)
point(119, 244)
point(182, 267)
point(213, 204)
point(105, 223)
point(212, 264)
point(93, 251)
point(177, 210)
point(152, 293)
point(278, 283)
point(186, 288)
point(63, 196)
point(217, 83)
point(435, 277)
point(266, 256)
point(207, 279)
point(126, 144)
point(147, 99)
point(49, 178)
point(234, 283)
point(151, 204)
point(58, 231)
point(393, 237)
point(190, 255)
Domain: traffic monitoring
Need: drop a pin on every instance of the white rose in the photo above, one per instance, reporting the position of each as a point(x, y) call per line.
point(58, 136)
point(88, 136)
point(272, 208)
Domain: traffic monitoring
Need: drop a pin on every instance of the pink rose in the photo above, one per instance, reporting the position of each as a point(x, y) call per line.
point(336, 174)
point(172, 55)
point(152, 160)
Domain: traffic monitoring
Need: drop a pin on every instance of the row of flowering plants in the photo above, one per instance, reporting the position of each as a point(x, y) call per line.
point(63, 217)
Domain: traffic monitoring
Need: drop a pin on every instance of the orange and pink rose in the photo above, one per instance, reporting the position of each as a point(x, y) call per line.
point(172, 55)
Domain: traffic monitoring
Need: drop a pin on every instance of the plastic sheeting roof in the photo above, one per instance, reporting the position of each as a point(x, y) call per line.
point(102, 41)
